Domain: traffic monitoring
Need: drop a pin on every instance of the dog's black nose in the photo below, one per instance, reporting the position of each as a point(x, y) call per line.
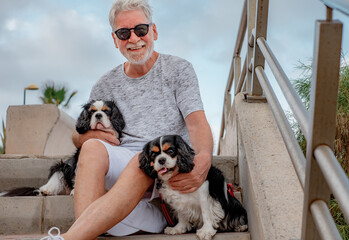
point(162, 161)
point(98, 116)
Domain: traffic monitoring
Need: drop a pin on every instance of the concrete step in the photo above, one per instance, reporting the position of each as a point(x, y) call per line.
point(36, 215)
point(32, 171)
point(188, 236)
point(25, 170)
point(32, 215)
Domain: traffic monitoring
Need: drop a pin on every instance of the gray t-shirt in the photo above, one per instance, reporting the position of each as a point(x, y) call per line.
point(155, 104)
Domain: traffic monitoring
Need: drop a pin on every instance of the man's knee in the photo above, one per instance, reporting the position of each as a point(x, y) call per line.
point(93, 153)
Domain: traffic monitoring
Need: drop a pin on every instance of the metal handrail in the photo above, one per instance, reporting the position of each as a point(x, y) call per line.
point(295, 103)
point(340, 5)
point(324, 221)
point(318, 154)
point(241, 78)
point(242, 30)
point(335, 176)
point(237, 50)
point(297, 156)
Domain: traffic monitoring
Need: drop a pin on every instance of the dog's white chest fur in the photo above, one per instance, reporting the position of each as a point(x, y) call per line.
point(195, 208)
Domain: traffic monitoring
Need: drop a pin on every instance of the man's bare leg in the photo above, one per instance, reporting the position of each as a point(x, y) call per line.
point(112, 207)
point(93, 165)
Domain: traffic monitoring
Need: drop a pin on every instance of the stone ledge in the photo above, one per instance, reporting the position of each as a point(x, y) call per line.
point(272, 193)
point(49, 126)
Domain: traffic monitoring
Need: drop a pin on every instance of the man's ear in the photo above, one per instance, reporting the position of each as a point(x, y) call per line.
point(155, 32)
point(115, 40)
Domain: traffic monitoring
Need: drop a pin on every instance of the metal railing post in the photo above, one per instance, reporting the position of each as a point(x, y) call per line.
point(251, 20)
point(259, 31)
point(323, 109)
point(237, 72)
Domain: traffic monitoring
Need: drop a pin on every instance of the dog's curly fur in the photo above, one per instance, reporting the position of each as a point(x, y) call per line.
point(209, 208)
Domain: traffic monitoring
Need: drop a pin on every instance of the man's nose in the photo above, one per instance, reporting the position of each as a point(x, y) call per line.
point(133, 38)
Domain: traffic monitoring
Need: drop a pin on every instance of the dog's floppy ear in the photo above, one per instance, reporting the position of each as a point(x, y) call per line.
point(116, 118)
point(83, 122)
point(185, 158)
point(145, 161)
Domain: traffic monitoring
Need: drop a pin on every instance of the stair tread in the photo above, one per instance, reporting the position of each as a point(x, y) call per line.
point(31, 215)
point(188, 236)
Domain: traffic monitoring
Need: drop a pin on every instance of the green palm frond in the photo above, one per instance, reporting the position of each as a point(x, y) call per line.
point(66, 105)
point(55, 95)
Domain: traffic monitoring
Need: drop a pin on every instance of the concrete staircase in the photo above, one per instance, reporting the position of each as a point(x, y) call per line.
point(32, 217)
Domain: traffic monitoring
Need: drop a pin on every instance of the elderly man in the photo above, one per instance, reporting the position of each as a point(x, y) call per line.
point(157, 94)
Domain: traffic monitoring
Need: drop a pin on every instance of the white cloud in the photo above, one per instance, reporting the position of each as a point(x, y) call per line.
point(11, 24)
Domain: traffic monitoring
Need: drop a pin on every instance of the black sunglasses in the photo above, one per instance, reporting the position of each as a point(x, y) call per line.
point(140, 30)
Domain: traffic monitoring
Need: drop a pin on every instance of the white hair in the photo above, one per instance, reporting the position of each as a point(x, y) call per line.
point(126, 5)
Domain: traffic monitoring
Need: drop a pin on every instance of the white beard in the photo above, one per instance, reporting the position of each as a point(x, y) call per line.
point(140, 59)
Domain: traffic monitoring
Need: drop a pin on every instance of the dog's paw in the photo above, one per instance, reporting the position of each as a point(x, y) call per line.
point(206, 233)
point(72, 193)
point(44, 191)
point(241, 228)
point(175, 230)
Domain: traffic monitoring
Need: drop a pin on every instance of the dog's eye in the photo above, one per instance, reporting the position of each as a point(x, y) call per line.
point(107, 112)
point(170, 151)
point(152, 154)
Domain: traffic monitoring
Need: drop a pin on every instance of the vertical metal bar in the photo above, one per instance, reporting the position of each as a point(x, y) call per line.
point(230, 77)
point(260, 31)
point(227, 107)
point(251, 19)
point(237, 72)
point(324, 92)
point(241, 80)
point(329, 14)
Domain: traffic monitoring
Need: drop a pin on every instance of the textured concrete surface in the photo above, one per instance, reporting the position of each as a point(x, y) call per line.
point(22, 215)
point(58, 212)
point(39, 129)
point(228, 166)
point(27, 215)
point(271, 190)
point(24, 170)
point(32, 171)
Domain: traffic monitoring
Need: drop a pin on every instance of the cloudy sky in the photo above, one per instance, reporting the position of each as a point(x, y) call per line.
point(70, 43)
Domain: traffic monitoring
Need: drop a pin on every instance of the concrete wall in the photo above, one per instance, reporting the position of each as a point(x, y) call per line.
point(39, 130)
point(271, 191)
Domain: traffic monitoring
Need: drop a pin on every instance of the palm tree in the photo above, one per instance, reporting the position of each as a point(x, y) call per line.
point(55, 95)
point(341, 145)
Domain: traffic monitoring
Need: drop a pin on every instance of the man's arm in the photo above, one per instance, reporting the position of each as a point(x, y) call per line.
point(79, 139)
point(202, 142)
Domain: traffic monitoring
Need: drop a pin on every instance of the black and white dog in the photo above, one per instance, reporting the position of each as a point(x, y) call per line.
point(207, 209)
point(96, 115)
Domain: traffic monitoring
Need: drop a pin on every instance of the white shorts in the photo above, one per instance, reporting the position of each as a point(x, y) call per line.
point(145, 217)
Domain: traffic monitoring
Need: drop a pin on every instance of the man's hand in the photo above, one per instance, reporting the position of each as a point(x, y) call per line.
point(190, 182)
point(108, 137)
